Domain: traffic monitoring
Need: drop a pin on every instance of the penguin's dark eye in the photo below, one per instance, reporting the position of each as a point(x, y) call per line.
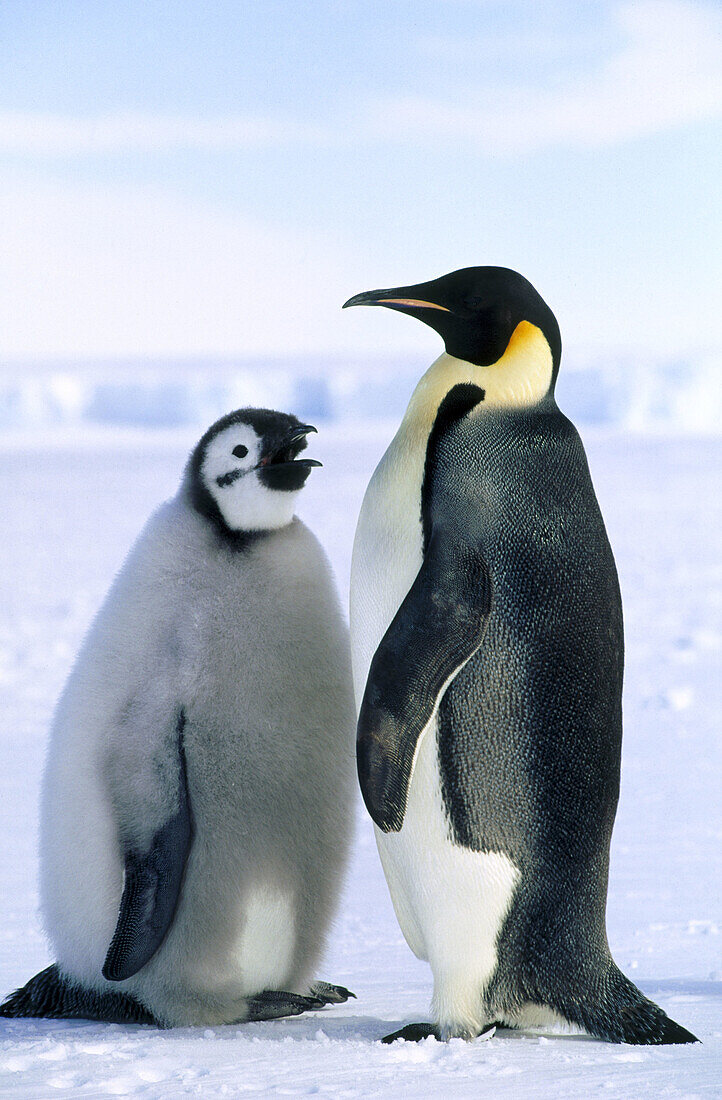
point(474, 302)
point(240, 451)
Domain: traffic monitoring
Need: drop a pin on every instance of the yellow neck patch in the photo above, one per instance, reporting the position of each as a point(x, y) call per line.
point(520, 379)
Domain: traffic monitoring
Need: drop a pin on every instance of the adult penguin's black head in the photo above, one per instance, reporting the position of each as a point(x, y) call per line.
point(245, 472)
point(475, 311)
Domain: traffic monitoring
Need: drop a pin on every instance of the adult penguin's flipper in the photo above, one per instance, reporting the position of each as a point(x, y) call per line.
point(152, 883)
point(436, 630)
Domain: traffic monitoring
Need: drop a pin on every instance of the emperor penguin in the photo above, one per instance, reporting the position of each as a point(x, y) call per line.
point(486, 632)
point(198, 793)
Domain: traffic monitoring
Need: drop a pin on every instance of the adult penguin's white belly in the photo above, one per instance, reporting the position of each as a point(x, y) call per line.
point(450, 901)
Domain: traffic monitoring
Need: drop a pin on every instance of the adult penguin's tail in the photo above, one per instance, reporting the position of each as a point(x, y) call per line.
point(615, 1010)
point(52, 995)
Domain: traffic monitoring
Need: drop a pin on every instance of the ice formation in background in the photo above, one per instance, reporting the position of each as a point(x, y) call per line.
point(639, 395)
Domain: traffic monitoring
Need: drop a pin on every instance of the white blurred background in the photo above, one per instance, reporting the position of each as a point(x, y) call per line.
point(189, 191)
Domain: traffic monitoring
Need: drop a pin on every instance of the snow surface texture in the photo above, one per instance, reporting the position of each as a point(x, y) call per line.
point(71, 509)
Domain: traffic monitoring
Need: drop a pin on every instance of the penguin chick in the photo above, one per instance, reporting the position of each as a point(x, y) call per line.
point(487, 641)
point(198, 792)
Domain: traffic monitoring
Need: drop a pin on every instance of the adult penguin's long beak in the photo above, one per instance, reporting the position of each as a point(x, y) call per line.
point(402, 298)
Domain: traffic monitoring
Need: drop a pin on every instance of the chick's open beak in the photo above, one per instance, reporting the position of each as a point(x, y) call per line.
point(284, 455)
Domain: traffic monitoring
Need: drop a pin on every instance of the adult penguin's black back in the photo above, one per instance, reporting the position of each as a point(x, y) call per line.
point(488, 650)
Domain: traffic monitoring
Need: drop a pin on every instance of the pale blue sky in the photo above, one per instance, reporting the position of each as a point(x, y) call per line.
point(216, 178)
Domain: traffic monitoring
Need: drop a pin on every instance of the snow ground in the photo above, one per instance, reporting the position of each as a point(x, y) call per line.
point(72, 506)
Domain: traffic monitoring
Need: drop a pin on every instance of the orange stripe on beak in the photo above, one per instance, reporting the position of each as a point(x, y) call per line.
point(410, 302)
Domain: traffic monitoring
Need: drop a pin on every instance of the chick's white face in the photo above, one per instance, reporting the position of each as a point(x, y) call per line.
point(230, 473)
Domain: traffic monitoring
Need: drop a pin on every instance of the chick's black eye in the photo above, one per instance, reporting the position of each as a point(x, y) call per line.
point(240, 451)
